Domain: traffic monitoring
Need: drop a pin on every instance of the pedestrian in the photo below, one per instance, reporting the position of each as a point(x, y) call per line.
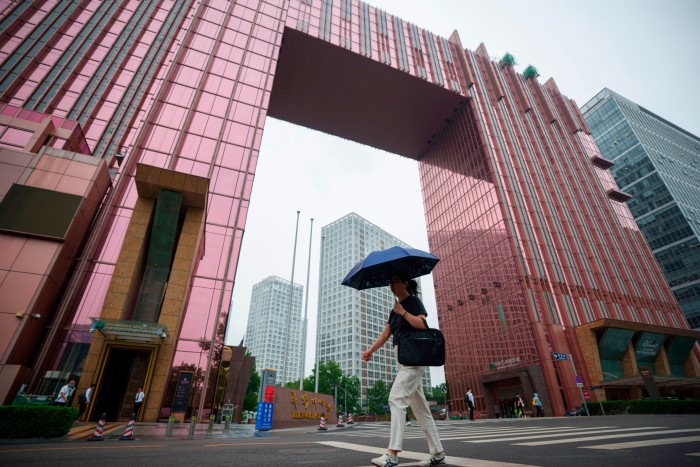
point(138, 400)
point(84, 400)
point(469, 399)
point(514, 406)
point(496, 411)
point(65, 393)
point(461, 415)
point(537, 404)
point(521, 406)
point(408, 313)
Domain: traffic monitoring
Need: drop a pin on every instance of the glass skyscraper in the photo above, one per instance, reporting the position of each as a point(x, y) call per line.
point(657, 163)
point(349, 321)
point(539, 251)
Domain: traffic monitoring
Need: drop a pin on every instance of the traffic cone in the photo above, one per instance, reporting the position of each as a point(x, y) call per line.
point(322, 426)
point(340, 422)
point(129, 430)
point(97, 434)
point(350, 420)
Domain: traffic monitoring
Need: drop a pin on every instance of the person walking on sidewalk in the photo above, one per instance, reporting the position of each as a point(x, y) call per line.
point(84, 400)
point(537, 404)
point(65, 393)
point(469, 399)
point(408, 313)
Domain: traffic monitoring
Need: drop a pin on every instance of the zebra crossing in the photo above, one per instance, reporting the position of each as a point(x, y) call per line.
point(533, 435)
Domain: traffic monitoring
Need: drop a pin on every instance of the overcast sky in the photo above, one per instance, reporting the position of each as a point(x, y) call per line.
point(644, 50)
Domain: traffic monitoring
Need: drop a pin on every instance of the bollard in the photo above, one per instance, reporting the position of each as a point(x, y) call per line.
point(169, 428)
point(210, 430)
point(227, 422)
point(193, 427)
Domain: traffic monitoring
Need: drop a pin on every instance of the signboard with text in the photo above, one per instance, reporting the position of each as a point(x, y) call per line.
point(182, 394)
point(263, 420)
point(558, 355)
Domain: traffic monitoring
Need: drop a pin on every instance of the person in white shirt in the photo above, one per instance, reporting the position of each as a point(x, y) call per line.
point(84, 400)
point(138, 400)
point(65, 393)
point(469, 399)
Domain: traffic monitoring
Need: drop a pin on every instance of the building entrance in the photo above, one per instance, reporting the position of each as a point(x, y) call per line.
point(125, 370)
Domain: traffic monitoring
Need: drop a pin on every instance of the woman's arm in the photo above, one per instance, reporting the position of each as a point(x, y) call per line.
point(418, 322)
point(381, 340)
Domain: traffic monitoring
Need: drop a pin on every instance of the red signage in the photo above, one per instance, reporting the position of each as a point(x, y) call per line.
point(269, 394)
point(586, 395)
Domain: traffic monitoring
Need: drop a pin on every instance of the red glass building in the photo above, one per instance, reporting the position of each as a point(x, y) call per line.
point(539, 252)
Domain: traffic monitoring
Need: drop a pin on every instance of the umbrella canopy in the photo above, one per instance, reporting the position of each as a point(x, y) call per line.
point(378, 267)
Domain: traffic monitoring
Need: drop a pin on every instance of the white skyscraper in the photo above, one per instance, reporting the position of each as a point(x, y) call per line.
point(349, 321)
point(268, 322)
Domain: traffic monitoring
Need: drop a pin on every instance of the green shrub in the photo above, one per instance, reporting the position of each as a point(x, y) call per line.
point(645, 407)
point(28, 421)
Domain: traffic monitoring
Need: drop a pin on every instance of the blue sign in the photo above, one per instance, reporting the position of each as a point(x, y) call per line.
point(443, 389)
point(263, 420)
point(558, 355)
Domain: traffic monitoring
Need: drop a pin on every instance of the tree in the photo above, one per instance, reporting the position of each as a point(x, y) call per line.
point(328, 373)
point(349, 393)
point(436, 394)
point(250, 401)
point(378, 397)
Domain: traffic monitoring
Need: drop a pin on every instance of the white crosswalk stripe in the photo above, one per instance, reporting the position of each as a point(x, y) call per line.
point(451, 460)
point(558, 434)
point(530, 435)
point(645, 443)
point(605, 436)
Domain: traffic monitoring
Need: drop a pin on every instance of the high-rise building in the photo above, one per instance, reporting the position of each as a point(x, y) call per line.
point(539, 252)
point(657, 163)
point(274, 332)
point(349, 321)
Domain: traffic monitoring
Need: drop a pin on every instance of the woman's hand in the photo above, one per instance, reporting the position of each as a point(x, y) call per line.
point(367, 356)
point(398, 309)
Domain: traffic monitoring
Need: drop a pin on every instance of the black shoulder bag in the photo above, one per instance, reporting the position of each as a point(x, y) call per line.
point(422, 347)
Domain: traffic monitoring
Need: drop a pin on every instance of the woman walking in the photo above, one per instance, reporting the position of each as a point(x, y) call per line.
point(408, 313)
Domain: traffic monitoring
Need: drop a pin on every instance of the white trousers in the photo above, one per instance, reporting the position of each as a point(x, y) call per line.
point(408, 390)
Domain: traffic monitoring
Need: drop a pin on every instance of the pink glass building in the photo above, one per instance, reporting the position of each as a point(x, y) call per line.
point(539, 252)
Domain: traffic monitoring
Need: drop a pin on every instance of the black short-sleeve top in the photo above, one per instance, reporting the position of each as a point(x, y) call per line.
point(398, 324)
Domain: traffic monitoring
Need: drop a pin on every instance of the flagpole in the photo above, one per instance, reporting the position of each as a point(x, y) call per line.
point(306, 312)
point(289, 315)
point(318, 309)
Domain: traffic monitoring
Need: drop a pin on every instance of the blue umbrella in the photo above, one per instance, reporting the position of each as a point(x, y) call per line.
point(378, 267)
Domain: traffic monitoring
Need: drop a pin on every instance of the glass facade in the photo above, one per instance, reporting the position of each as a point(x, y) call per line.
point(659, 165)
point(533, 233)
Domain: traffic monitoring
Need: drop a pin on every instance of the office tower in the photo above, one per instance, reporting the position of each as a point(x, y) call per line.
point(273, 335)
point(350, 321)
point(173, 97)
point(658, 164)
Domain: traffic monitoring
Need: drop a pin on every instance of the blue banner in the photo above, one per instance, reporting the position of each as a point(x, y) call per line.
point(263, 420)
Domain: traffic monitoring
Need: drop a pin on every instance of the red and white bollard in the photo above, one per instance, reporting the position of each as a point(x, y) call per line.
point(350, 420)
point(129, 431)
point(340, 422)
point(322, 426)
point(99, 429)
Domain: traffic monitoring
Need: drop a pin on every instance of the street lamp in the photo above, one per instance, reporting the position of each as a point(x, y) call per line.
point(345, 396)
